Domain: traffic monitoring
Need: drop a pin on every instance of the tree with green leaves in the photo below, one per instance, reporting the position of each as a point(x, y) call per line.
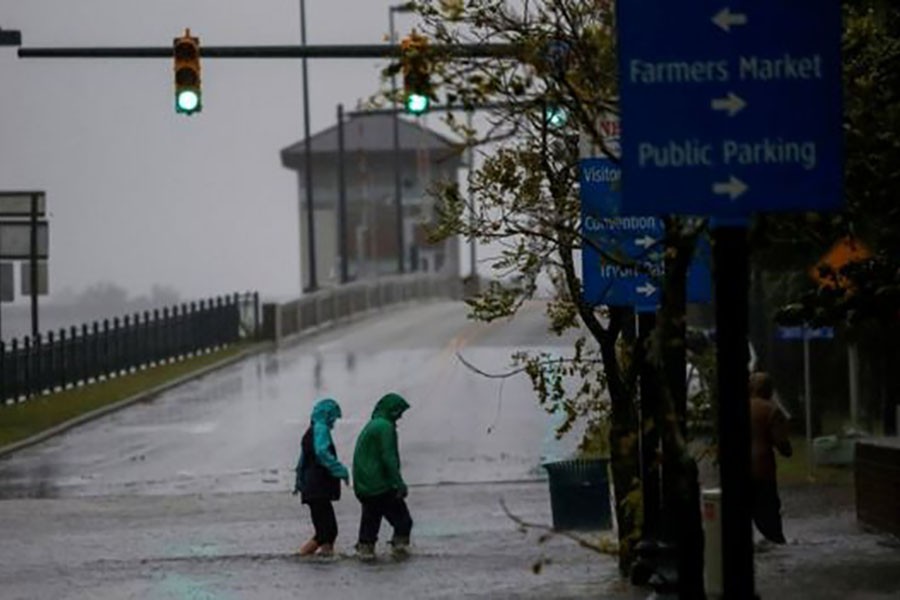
point(547, 99)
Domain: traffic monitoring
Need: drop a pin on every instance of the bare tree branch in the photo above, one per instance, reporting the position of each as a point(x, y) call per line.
point(549, 530)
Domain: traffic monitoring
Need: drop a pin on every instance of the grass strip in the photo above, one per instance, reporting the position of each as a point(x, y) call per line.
point(24, 419)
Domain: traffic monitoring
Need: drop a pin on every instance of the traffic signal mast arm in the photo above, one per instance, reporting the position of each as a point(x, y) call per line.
point(329, 51)
point(414, 56)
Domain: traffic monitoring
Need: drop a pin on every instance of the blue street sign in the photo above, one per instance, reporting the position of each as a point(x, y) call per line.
point(800, 332)
point(730, 107)
point(622, 262)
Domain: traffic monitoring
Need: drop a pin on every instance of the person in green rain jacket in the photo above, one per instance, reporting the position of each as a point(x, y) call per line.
point(319, 474)
point(378, 484)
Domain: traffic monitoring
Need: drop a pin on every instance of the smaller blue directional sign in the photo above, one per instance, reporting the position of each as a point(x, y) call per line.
point(730, 107)
point(799, 332)
point(622, 262)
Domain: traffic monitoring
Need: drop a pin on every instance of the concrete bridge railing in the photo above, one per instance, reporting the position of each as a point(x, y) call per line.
point(333, 305)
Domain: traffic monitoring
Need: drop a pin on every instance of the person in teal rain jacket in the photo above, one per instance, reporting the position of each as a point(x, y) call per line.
point(319, 475)
point(378, 484)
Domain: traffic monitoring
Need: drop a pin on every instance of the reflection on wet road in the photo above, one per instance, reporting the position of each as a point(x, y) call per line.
point(238, 429)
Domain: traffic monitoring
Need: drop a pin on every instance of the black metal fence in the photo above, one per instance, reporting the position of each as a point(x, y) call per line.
point(56, 361)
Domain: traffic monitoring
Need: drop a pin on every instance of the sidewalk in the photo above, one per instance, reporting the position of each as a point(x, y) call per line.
point(828, 554)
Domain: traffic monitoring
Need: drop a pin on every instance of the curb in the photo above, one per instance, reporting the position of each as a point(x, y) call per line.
point(125, 402)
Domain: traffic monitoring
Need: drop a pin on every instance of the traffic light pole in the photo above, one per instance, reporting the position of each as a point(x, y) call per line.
point(343, 245)
point(395, 125)
point(313, 283)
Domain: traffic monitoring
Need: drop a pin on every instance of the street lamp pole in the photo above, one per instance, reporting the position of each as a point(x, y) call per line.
point(307, 169)
point(473, 243)
point(398, 192)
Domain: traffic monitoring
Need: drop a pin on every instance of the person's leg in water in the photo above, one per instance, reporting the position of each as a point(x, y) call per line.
point(311, 545)
point(326, 527)
point(325, 524)
point(767, 511)
point(369, 525)
point(397, 514)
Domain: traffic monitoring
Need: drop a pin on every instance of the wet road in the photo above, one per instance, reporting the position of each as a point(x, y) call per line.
point(238, 429)
point(185, 497)
point(239, 546)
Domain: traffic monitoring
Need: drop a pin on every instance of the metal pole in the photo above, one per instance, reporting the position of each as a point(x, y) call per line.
point(342, 51)
point(523, 106)
point(807, 400)
point(649, 434)
point(1, 306)
point(853, 367)
point(313, 283)
point(35, 326)
point(473, 243)
point(342, 199)
point(732, 283)
point(395, 123)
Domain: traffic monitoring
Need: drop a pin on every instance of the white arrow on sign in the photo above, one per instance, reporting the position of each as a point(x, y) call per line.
point(647, 290)
point(734, 187)
point(644, 242)
point(726, 19)
point(732, 104)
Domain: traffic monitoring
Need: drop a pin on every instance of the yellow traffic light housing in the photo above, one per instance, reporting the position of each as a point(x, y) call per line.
point(417, 88)
point(186, 53)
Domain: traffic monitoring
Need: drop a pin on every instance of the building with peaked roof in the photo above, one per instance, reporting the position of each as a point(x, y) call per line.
point(425, 157)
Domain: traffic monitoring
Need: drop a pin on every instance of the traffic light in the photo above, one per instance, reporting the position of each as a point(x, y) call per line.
point(186, 52)
point(417, 88)
point(556, 116)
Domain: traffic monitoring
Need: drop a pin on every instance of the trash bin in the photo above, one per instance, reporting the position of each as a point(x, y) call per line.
point(579, 494)
point(836, 450)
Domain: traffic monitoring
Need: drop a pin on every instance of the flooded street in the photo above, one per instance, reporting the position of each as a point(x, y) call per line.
point(187, 496)
point(228, 546)
point(239, 429)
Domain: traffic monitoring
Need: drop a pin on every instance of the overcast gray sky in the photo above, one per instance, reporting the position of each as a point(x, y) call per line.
point(139, 195)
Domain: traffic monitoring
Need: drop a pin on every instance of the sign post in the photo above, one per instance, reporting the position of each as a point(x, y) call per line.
point(805, 333)
point(730, 109)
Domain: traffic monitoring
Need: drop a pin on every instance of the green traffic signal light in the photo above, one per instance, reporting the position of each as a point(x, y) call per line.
point(417, 104)
point(416, 66)
point(187, 101)
point(556, 116)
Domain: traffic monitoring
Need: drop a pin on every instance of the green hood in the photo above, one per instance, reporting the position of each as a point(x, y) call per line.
point(326, 411)
point(390, 407)
point(376, 460)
